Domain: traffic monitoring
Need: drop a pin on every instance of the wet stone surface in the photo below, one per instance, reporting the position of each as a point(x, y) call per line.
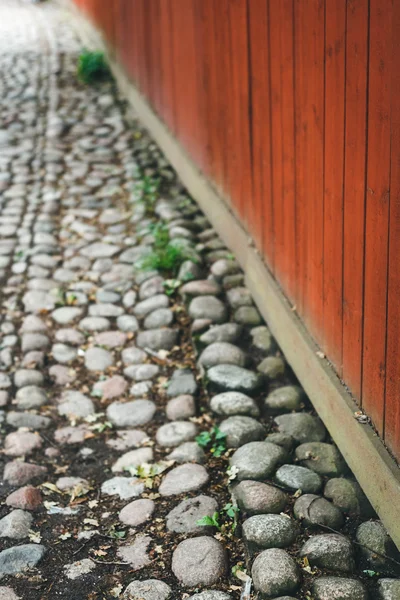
point(150, 426)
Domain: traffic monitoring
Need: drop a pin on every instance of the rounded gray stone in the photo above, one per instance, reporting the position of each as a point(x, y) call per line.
point(272, 367)
point(222, 353)
point(105, 309)
point(63, 353)
point(375, 545)
point(240, 430)
point(302, 427)
point(347, 495)
point(7, 593)
point(137, 512)
point(151, 304)
point(182, 479)
point(95, 324)
point(209, 595)
point(175, 433)
point(338, 588)
point(70, 336)
point(388, 589)
point(254, 497)
point(295, 478)
point(184, 517)
point(329, 551)
point(98, 359)
point(269, 531)
point(208, 307)
point(247, 315)
point(315, 510)
point(133, 356)
point(16, 525)
point(141, 372)
point(228, 332)
point(201, 287)
point(66, 314)
point(181, 382)
point(262, 338)
point(151, 287)
point(274, 573)
point(149, 589)
point(239, 296)
point(281, 439)
point(157, 339)
point(20, 558)
point(199, 561)
point(26, 419)
point(34, 341)
point(131, 414)
point(232, 377)
point(162, 317)
point(75, 404)
point(257, 460)
point(324, 459)
point(287, 398)
point(123, 487)
point(188, 452)
point(127, 323)
point(25, 377)
point(133, 458)
point(234, 403)
point(181, 407)
point(30, 396)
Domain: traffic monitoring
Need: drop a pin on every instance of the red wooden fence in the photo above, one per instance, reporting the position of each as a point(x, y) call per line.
point(292, 110)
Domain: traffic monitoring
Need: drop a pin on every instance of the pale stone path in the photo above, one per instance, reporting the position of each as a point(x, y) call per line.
point(114, 477)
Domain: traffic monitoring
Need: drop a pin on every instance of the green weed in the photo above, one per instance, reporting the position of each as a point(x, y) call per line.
point(92, 67)
point(221, 519)
point(214, 440)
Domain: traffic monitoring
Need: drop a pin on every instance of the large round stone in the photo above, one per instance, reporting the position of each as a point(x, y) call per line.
point(222, 353)
point(388, 589)
point(228, 332)
point(199, 561)
point(75, 404)
point(286, 398)
point(324, 459)
point(131, 414)
point(132, 459)
point(234, 403)
point(30, 396)
point(347, 495)
point(20, 558)
point(149, 589)
point(137, 512)
point(188, 452)
point(182, 479)
point(232, 377)
point(98, 359)
point(298, 478)
point(184, 517)
point(329, 551)
point(375, 544)
point(314, 510)
point(337, 588)
point(208, 307)
point(269, 531)
point(157, 339)
point(254, 497)
point(302, 427)
point(240, 430)
point(275, 573)
point(175, 433)
point(257, 460)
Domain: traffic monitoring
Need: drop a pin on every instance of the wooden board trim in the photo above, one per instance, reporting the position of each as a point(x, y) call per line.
point(371, 463)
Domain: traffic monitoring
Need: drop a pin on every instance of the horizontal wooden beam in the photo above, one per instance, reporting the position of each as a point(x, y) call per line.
point(366, 455)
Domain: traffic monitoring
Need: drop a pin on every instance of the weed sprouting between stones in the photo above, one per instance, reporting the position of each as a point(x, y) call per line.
point(214, 439)
point(220, 520)
point(167, 255)
point(92, 67)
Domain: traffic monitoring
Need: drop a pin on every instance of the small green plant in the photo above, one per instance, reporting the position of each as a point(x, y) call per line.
point(171, 285)
point(221, 519)
point(92, 67)
point(146, 190)
point(214, 439)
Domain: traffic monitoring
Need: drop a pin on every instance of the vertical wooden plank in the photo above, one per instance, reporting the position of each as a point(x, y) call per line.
point(238, 150)
point(334, 160)
point(261, 224)
point(309, 111)
point(377, 211)
point(392, 397)
point(283, 148)
point(354, 191)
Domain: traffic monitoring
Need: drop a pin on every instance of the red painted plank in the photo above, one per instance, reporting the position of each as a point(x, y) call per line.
point(309, 111)
point(334, 157)
point(377, 211)
point(261, 223)
point(283, 148)
point(392, 398)
point(354, 192)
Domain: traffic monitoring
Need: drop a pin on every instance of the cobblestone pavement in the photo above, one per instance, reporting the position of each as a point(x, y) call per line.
point(149, 421)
